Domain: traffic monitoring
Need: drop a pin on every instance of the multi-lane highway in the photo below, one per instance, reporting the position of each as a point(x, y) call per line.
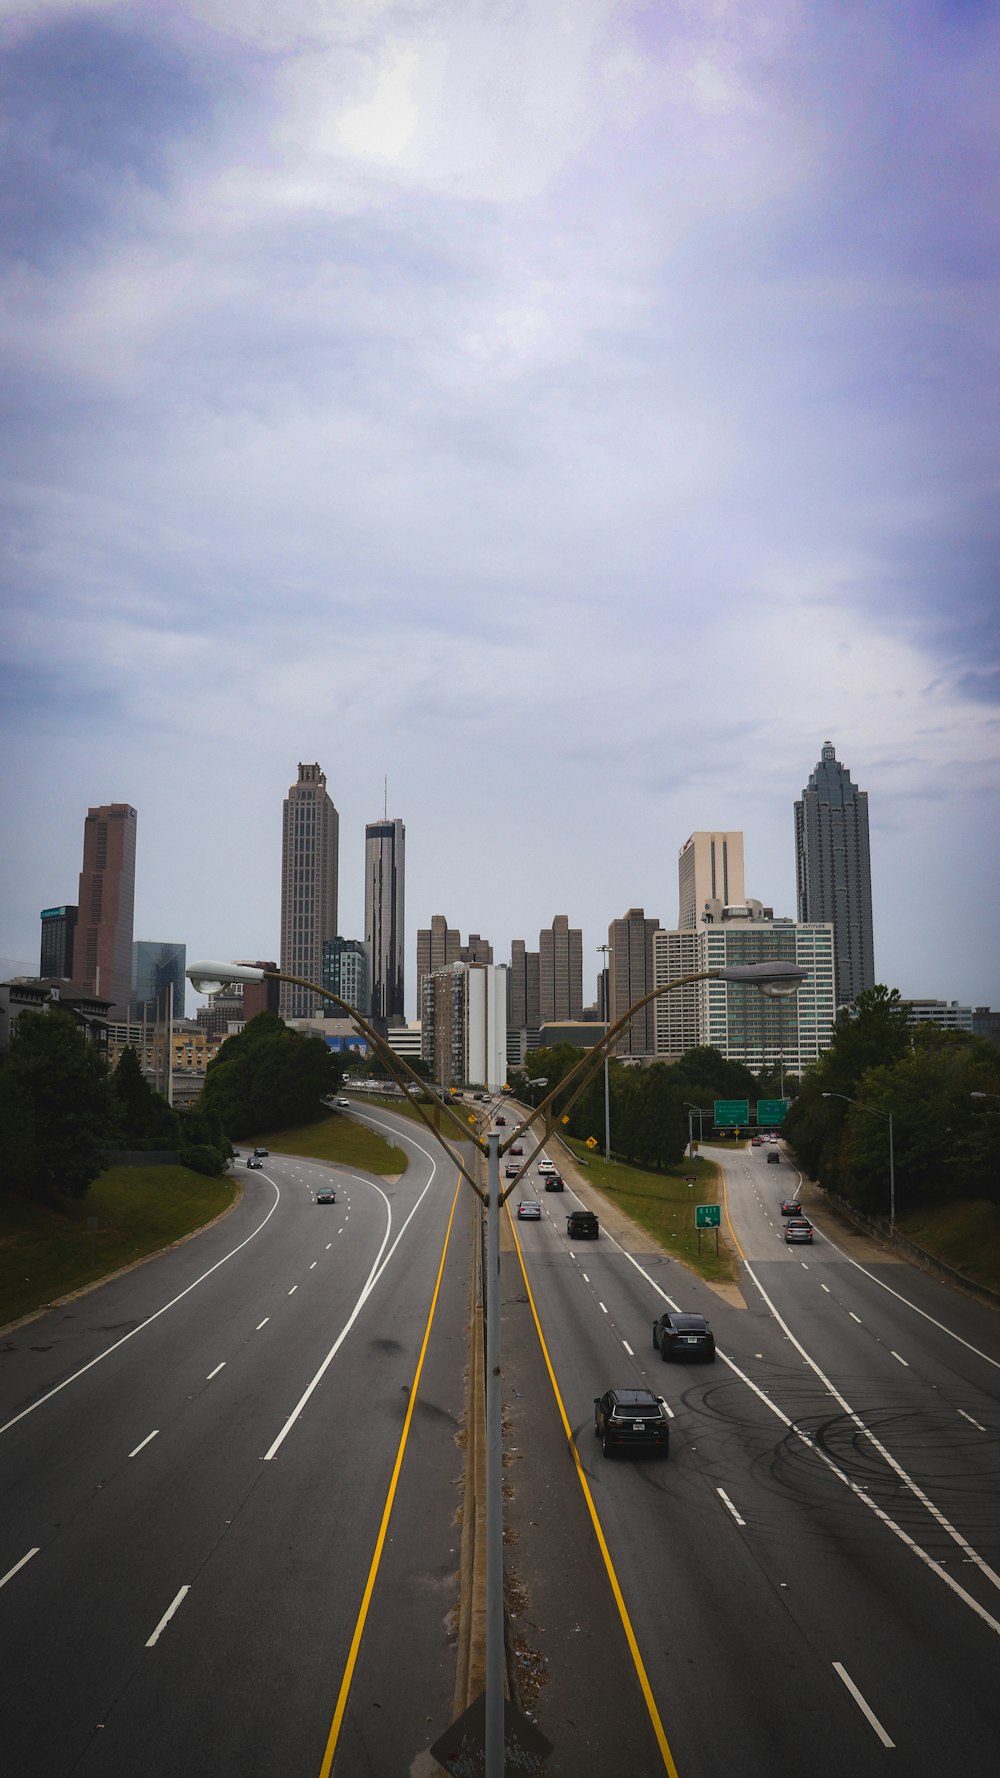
point(195, 1466)
point(229, 1537)
point(812, 1580)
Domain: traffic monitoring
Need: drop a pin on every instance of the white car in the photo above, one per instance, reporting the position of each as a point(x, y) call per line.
point(342, 1104)
point(546, 1166)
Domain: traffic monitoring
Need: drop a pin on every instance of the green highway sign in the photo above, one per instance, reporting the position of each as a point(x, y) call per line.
point(707, 1216)
point(771, 1111)
point(732, 1111)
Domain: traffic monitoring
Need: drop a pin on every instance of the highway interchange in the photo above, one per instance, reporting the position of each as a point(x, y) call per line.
point(229, 1524)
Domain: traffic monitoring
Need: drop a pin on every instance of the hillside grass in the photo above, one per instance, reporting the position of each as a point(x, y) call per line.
point(339, 1140)
point(663, 1204)
point(47, 1252)
point(964, 1232)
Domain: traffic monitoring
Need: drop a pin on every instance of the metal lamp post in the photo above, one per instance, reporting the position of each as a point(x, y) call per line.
point(607, 1019)
point(875, 1112)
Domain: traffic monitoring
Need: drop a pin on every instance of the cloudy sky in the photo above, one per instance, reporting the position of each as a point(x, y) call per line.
point(574, 412)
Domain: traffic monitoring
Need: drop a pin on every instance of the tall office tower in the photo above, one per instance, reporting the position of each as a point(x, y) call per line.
point(560, 971)
point(345, 972)
point(155, 968)
point(478, 950)
point(709, 868)
point(103, 960)
point(385, 868)
point(58, 930)
point(630, 976)
point(437, 944)
point(833, 870)
point(310, 848)
point(675, 1015)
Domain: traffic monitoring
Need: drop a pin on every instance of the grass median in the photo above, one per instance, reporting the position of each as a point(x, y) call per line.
point(341, 1141)
point(663, 1204)
point(47, 1252)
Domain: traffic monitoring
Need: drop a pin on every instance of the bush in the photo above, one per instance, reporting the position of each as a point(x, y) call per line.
point(202, 1159)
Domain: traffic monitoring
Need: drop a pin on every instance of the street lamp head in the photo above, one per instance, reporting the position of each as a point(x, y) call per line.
point(773, 979)
point(208, 978)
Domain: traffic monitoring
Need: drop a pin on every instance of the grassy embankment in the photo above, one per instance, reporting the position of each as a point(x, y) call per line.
point(47, 1252)
point(965, 1234)
point(663, 1204)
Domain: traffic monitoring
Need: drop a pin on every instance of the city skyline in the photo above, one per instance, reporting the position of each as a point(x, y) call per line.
point(579, 425)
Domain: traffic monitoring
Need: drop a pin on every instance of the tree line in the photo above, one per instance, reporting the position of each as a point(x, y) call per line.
point(62, 1107)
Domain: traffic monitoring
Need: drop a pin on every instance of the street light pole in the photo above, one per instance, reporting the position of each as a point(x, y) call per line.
point(494, 1471)
point(607, 1021)
point(875, 1112)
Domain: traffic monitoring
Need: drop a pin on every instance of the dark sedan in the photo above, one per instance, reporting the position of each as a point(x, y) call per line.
point(791, 1207)
point(326, 1195)
point(681, 1335)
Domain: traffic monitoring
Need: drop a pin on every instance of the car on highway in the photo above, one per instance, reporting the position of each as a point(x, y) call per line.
point(326, 1195)
point(631, 1417)
point(529, 1210)
point(545, 1166)
point(756, 1142)
point(517, 1148)
point(582, 1225)
point(774, 1155)
point(798, 1228)
point(253, 1162)
point(499, 1119)
point(511, 1170)
point(680, 1334)
point(261, 1153)
point(791, 1207)
point(342, 1104)
point(553, 1182)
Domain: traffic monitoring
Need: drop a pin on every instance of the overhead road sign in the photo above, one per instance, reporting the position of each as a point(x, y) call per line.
point(771, 1111)
point(731, 1111)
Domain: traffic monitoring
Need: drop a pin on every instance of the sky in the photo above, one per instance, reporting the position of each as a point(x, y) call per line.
point(557, 421)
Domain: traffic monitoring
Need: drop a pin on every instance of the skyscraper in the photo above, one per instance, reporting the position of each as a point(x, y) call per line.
point(709, 868)
point(102, 955)
point(833, 870)
point(385, 868)
point(560, 971)
point(58, 931)
point(630, 977)
point(155, 967)
point(310, 847)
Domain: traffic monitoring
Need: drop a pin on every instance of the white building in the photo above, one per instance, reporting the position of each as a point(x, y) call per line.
point(946, 1013)
point(743, 1024)
point(464, 1024)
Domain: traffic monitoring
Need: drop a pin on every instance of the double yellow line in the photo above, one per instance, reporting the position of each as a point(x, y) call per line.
point(630, 1637)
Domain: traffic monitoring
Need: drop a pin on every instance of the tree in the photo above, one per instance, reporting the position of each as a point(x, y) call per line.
point(269, 1077)
point(145, 1114)
point(58, 1108)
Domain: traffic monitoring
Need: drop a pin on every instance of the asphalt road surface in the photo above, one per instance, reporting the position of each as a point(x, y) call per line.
point(812, 1579)
point(195, 1461)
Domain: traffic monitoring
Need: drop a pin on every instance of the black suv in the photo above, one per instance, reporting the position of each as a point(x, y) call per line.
point(582, 1225)
point(679, 1335)
point(633, 1417)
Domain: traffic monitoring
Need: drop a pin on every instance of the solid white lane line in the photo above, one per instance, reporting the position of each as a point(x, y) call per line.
point(902, 1361)
point(218, 1368)
point(145, 1442)
point(628, 1348)
point(261, 1324)
point(854, 1317)
point(971, 1421)
point(149, 1319)
point(18, 1565)
point(724, 1497)
point(866, 1500)
point(293, 1290)
point(950, 1331)
point(864, 1708)
point(167, 1615)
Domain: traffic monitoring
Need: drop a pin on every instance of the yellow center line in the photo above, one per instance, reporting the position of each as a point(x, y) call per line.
point(647, 1690)
point(352, 1658)
point(729, 1220)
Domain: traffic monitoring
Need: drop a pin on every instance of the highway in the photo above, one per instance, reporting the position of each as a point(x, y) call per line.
point(812, 1579)
point(195, 1462)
